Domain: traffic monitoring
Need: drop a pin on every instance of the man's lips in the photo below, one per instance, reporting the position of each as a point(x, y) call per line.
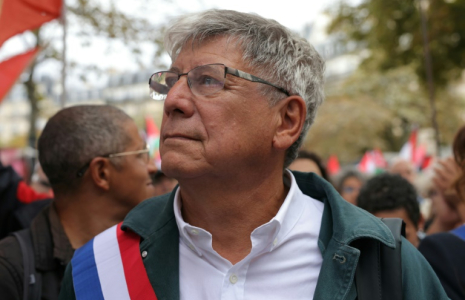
point(178, 136)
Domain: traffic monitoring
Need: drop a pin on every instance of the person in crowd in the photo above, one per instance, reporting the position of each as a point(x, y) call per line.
point(444, 214)
point(403, 168)
point(348, 184)
point(162, 183)
point(240, 95)
point(307, 161)
point(391, 196)
point(97, 165)
point(15, 195)
point(445, 251)
point(407, 170)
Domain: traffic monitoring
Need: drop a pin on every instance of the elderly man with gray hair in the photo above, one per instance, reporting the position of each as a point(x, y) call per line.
point(240, 96)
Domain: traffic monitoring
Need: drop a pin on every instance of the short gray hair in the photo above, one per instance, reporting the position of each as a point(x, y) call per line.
point(77, 134)
point(266, 45)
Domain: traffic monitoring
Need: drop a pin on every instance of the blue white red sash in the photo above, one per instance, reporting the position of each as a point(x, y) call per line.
point(110, 267)
point(460, 232)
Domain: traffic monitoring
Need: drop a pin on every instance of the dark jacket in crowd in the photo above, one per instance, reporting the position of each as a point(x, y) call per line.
point(52, 250)
point(19, 204)
point(446, 254)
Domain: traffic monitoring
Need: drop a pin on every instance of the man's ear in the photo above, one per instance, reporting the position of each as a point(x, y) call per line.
point(291, 118)
point(99, 170)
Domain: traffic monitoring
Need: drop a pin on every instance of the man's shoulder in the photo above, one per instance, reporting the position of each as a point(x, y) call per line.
point(11, 271)
point(419, 280)
point(10, 250)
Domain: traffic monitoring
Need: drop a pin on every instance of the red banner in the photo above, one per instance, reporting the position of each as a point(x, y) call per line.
point(11, 69)
point(17, 16)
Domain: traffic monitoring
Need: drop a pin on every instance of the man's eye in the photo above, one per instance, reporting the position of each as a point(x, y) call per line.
point(207, 81)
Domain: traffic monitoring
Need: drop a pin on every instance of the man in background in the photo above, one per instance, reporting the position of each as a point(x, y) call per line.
point(404, 168)
point(98, 167)
point(391, 196)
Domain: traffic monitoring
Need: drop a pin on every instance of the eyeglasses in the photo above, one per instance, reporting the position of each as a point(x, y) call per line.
point(203, 80)
point(145, 151)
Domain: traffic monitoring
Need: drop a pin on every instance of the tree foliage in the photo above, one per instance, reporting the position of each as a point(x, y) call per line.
point(374, 109)
point(88, 19)
point(377, 104)
point(391, 30)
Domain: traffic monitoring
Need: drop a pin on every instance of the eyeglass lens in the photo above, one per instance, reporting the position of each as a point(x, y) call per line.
point(203, 80)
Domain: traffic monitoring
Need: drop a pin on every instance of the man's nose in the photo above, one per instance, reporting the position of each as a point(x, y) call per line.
point(179, 99)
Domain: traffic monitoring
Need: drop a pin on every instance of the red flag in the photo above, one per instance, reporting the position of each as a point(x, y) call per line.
point(17, 16)
point(378, 157)
point(367, 163)
point(11, 69)
point(333, 165)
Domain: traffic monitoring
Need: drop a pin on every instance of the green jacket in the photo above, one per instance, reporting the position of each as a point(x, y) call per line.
point(341, 224)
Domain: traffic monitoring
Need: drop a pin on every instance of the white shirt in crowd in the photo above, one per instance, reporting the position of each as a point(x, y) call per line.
point(284, 262)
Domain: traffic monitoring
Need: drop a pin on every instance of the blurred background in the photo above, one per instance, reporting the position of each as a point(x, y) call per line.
point(395, 81)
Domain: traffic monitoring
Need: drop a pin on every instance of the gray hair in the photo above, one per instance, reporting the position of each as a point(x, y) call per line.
point(76, 135)
point(266, 45)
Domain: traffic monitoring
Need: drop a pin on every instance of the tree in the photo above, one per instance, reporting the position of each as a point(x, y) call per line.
point(392, 32)
point(88, 18)
point(375, 109)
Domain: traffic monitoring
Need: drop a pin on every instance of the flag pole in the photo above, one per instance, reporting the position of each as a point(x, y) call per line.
point(63, 69)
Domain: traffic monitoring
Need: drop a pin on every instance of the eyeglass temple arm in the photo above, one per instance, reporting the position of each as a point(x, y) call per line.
point(146, 150)
point(250, 77)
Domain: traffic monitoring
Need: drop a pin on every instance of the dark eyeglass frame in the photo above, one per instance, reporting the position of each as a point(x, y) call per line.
point(227, 70)
point(84, 168)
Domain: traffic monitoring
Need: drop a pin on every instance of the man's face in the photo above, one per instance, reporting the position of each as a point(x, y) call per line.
point(219, 134)
point(350, 189)
point(131, 181)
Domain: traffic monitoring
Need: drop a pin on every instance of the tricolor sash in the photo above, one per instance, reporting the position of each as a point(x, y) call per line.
point(110, 267)
point(460, 232)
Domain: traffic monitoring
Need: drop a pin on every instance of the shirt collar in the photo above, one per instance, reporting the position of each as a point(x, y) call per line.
point(264, 238)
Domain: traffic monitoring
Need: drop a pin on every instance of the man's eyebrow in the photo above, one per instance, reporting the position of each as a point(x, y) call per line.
point(174, 69)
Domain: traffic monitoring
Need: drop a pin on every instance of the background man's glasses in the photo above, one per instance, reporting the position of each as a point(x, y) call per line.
point(203, 80)
point(145, 155)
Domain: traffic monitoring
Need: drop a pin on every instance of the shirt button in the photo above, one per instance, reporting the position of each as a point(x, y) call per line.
point(194, 231)
point(144, 254)
point(233, 278)
point(192, 247)
point(275, 242)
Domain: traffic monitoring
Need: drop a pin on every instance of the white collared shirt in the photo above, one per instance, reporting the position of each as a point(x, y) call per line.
point(284, 262)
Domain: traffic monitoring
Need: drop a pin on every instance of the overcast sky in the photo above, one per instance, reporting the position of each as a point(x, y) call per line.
point(294, 14)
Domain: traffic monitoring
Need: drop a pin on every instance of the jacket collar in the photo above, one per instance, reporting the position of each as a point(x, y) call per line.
point(341, 224)
point(341, 220)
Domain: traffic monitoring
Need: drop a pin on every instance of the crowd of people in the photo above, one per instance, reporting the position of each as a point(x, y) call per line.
point(238, 212)
point(430, 204)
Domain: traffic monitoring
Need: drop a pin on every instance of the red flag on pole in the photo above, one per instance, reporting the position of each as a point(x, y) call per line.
point(17, 16)
point(11, 69)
